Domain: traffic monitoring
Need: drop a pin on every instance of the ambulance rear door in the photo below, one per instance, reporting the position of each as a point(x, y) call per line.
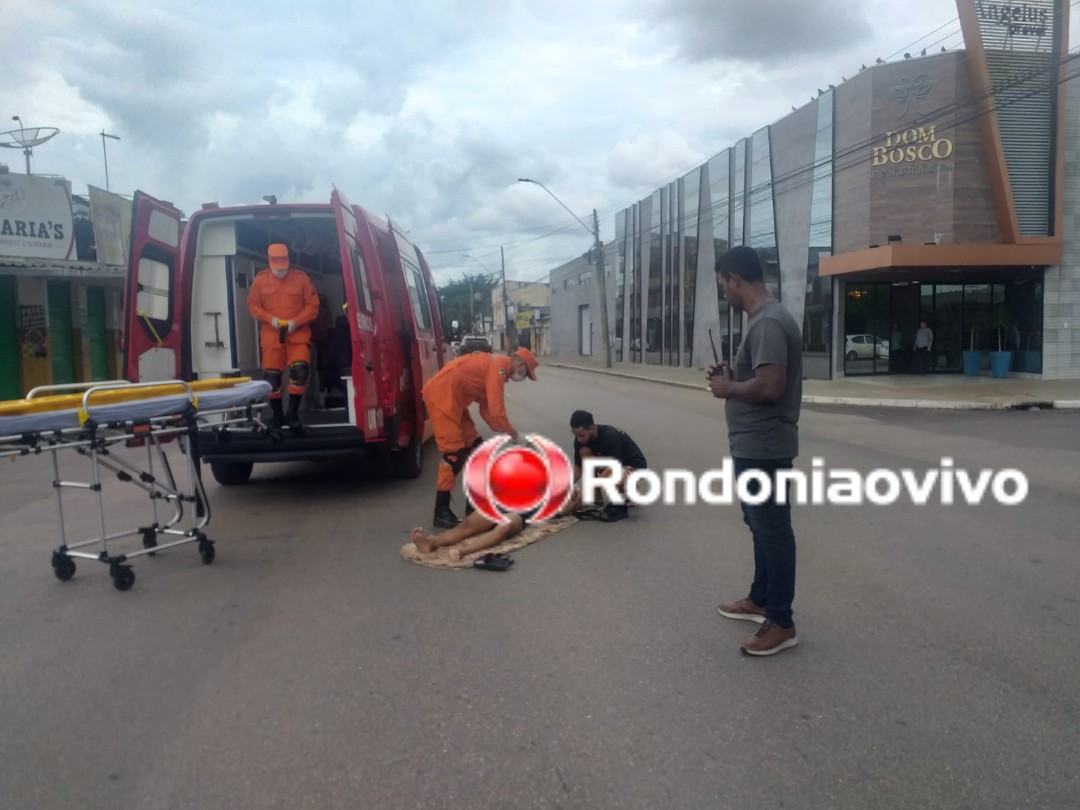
point(425, 352)
point(365, 400)
point(153, 311)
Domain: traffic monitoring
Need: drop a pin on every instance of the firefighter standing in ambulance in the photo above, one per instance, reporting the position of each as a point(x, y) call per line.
point(476, 377)
point(283, 299)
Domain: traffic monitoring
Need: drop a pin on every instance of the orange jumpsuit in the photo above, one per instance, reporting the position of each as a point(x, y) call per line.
point(472, 378)
point(292, 298)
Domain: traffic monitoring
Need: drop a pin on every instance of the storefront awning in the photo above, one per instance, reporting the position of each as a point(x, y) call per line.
point(1033, 254)
point(58, 268)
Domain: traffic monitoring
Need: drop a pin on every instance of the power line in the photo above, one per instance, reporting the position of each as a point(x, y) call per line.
point(920, 39)
point(791, 181)
point(835, 160)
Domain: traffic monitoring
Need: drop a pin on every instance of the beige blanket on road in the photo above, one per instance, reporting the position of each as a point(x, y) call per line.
point(440, 559)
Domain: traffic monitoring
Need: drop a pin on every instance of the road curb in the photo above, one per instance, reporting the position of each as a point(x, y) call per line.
point(861, 402)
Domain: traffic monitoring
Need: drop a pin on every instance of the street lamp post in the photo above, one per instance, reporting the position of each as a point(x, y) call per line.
point(601, 280)
point(105, 154)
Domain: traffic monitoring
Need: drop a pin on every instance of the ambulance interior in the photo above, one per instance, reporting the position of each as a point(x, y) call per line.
point(229, 252)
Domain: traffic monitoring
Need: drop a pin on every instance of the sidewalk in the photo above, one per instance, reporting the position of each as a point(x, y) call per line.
point(953, 392)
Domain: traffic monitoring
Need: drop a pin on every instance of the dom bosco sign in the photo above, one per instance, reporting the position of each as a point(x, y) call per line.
point(918, 144)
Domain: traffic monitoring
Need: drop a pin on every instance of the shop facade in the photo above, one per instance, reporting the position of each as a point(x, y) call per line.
point(60, 308)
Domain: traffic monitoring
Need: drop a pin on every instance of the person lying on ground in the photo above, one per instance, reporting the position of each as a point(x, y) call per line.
point(476, 533)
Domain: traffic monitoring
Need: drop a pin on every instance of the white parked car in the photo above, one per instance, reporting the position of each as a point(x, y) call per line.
point(861, 347)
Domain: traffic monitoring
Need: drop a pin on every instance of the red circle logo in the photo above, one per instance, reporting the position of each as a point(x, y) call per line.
point(518, 480)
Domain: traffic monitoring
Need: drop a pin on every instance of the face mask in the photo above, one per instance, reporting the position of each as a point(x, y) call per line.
point(279, 273)
point(518, 376)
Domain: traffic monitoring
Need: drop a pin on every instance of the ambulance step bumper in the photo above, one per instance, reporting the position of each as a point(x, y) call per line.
point(312, 444)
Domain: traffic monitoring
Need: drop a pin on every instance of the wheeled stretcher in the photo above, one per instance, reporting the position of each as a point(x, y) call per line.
point(101, 419)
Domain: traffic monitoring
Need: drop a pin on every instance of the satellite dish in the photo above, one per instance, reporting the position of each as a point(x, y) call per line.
point(26, 138)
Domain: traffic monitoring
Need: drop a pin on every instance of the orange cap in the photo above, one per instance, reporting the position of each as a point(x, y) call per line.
point(530, 361)
point(278, 255)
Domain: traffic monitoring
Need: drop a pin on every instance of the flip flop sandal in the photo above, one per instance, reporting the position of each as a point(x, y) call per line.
point(493, 562)
point(589, 514)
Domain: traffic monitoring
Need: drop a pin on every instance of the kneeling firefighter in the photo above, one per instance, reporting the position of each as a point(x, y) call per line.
point(283, 299)
point(479, 378)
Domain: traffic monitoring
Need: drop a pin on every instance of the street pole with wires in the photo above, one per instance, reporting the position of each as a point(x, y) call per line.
point(506, 306)
point(601, 282)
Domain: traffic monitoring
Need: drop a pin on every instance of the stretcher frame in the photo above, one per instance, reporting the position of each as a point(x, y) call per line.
point(100, 431)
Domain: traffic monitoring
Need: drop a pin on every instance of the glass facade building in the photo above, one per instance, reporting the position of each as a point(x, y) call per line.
point(669, 305)
point(888, 201)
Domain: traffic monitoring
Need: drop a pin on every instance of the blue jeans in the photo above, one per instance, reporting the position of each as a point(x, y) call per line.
point(774, 542)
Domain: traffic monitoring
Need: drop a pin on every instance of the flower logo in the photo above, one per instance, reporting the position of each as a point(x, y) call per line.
point(910, 92)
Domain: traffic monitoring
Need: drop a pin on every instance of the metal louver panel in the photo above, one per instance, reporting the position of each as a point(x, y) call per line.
point(10, 365)
point(61, 341)
point(1023, 99)
point(96, 334)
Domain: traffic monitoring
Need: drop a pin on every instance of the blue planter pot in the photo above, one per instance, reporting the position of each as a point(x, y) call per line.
point(1029, 361)
point(972, 363)
point(999, 364)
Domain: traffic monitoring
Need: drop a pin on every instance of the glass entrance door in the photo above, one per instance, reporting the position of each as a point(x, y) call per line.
point(867, 329)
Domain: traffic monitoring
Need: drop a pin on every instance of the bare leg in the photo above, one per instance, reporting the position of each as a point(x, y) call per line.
point(471, 526)
point(572, 505)
point(502, 531)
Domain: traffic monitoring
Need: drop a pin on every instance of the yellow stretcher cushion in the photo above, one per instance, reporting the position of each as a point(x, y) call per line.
point(109, 396)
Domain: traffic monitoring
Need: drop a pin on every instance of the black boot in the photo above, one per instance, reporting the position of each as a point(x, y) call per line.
point(278, 417)
point(294, 413)
point(444, 517)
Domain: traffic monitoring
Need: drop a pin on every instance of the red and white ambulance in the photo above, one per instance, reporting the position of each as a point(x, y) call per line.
point(378, 338)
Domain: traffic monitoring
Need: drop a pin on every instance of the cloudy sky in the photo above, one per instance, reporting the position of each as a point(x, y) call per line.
point(429, 110)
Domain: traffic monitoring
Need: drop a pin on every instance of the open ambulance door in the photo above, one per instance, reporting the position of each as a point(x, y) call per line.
point(437, 321)
point(365, 390)
point(426, 353)
point(153, 328)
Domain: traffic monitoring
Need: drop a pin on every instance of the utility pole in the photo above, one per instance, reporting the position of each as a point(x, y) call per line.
point(601, 283)
point(105, 154)
point(506, 304)
point(600, 280)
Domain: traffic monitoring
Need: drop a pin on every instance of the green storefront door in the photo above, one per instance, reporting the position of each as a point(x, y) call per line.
point(61, 343)
point(10, 365)
point(95, 333)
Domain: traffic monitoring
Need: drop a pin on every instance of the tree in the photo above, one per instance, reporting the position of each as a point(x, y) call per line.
point(455, 304)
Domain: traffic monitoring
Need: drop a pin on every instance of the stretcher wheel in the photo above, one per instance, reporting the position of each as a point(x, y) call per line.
point(63, 567)
point(123, 578)
point(206, 551)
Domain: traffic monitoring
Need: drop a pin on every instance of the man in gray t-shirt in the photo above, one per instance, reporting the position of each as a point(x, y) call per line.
point(763, 396)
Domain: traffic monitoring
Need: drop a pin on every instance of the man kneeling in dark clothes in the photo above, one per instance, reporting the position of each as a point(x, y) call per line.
point(605, 441)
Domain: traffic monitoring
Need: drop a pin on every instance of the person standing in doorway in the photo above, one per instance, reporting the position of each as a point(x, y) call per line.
point(285, 303)
point(764, 398)
point(924, 343)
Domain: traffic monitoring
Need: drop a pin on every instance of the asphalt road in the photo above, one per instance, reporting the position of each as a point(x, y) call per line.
point(310, 666)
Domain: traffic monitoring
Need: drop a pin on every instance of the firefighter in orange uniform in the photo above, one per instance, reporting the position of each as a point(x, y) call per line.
point(283, 299)
point(476, 377)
